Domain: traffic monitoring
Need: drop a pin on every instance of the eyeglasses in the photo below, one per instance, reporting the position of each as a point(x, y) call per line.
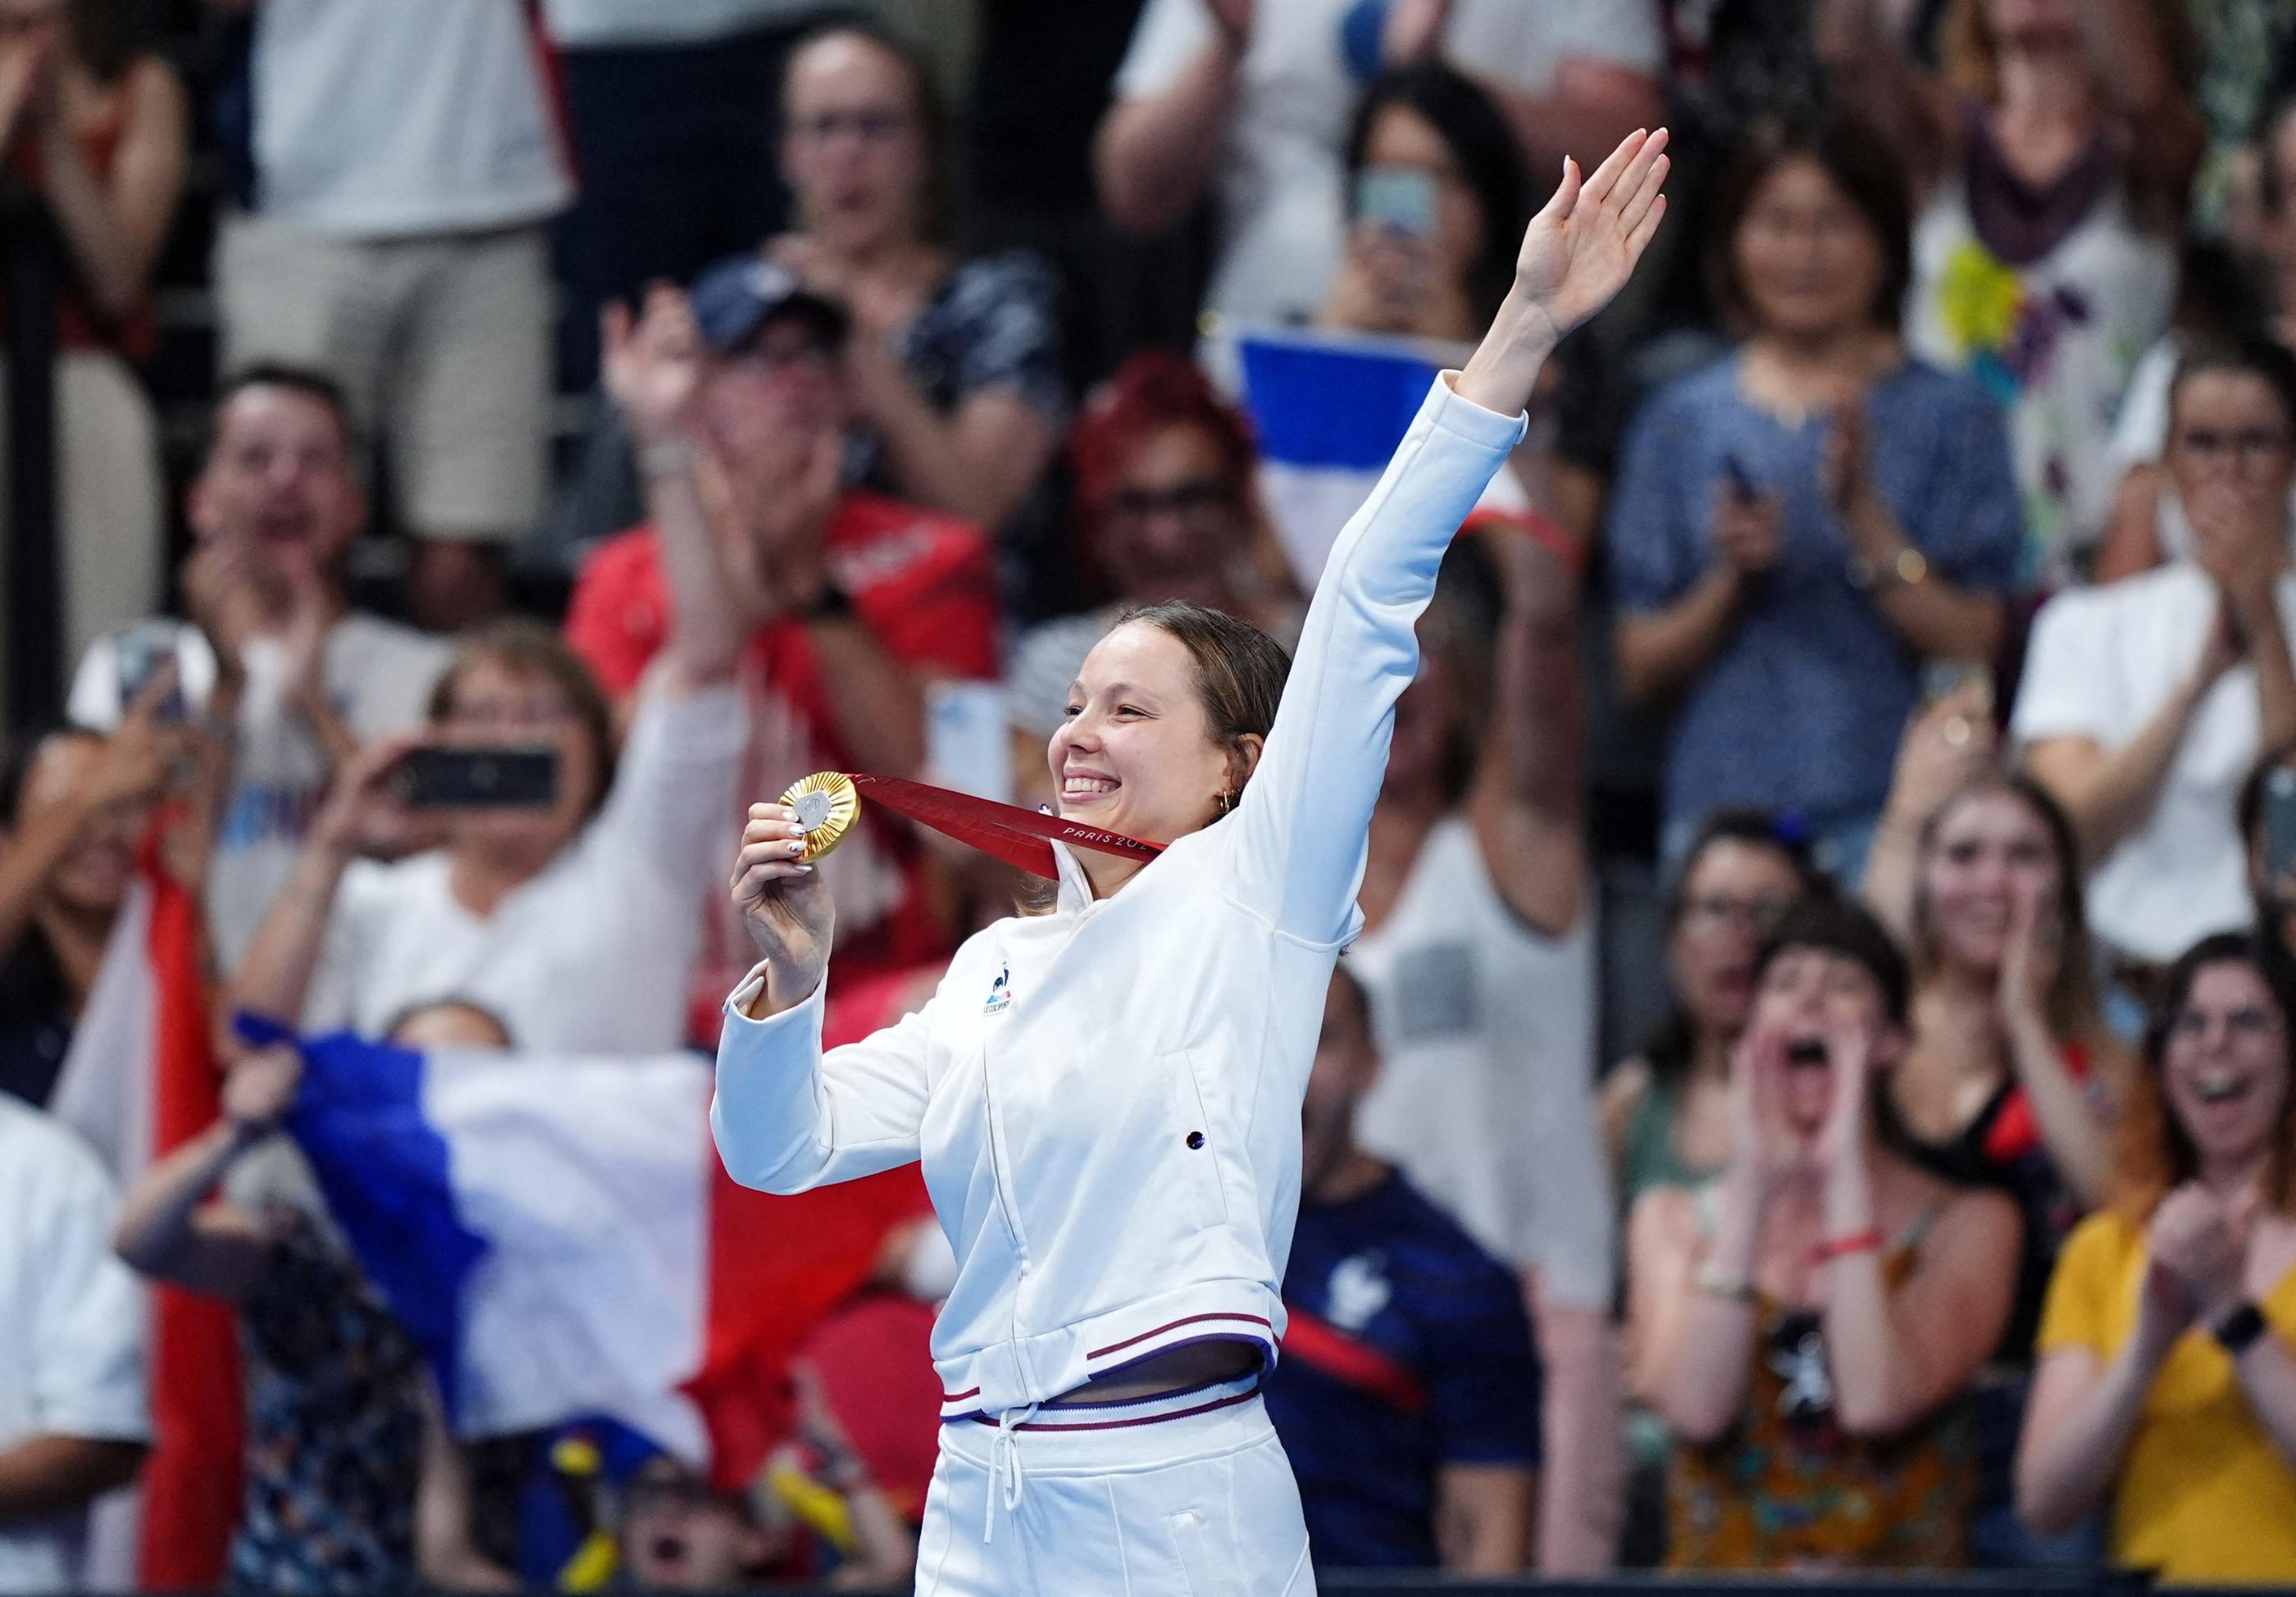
point(869, 127)
point(1204, 497)
point(2245, 446)
point(1711, 912)
point(2249, 1024)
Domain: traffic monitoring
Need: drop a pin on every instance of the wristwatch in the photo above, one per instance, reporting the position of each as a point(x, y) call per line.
point(1907, 567)
point(2237, 1332)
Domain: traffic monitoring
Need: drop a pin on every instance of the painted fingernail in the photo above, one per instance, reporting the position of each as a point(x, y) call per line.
point(797, 848)
point(796, 830)
point(805, 870)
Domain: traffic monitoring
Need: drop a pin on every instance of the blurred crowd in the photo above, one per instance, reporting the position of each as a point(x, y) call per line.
point(1816, 1090)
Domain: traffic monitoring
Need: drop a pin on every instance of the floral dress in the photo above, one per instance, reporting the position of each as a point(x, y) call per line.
point(334, 1426)
point(1787, 1488)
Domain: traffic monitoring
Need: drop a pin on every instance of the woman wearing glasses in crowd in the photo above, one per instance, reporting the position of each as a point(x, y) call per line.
point(2012, 1077)
point(2167, 1386)
point(2146, 704)
point(956, 365)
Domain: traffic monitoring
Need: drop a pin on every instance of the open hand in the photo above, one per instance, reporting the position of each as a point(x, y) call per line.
point(1762, 1147)
point(1582, 246)
point(653, 366)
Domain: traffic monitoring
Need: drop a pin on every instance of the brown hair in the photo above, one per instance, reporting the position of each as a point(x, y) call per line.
point(2155, 1155)
point(1859, 163)
point(529, 650)
point(1240, 669)
point(2071, 1006)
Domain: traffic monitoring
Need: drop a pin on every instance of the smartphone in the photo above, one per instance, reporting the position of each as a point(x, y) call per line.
point(480, 779)
point(142, 651)
point(2279, 825)
point(1398, 198)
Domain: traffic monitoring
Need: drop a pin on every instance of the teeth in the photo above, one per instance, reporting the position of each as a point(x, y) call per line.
point(2215, 1086)
point(1082, 785)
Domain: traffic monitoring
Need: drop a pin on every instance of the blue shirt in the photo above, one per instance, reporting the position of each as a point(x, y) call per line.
point(1803, 706)
point(1408, 1349)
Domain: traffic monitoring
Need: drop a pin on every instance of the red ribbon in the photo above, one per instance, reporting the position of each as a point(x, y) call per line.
point(1019, 836)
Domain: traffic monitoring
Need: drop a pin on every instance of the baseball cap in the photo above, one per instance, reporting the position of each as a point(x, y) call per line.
point(734, 300)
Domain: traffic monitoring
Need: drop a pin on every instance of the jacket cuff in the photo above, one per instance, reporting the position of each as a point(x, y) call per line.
point(745, 992)
point(1464, 418)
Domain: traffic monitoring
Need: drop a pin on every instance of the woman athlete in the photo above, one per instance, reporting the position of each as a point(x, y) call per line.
point(1106, 1098)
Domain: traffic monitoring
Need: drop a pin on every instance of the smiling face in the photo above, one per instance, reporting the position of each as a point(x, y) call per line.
point(2224, 1065)
point(1989, 853)
point(1807, 259)
point(1733, 892)
point(1807, 997)
point(853, 149)
point(278, 484)
point(1135, 754)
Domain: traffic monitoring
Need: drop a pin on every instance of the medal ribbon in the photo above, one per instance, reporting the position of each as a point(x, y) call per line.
point(1019, 836)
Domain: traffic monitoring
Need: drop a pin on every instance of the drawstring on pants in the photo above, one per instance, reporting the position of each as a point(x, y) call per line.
point(1005, 1465)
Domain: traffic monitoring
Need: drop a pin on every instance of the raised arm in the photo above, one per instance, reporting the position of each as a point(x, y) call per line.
point(1297, 842)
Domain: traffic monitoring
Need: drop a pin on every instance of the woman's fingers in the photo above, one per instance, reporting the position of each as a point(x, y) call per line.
point(1605, 178)
point(751, 882)
point(1644, 194)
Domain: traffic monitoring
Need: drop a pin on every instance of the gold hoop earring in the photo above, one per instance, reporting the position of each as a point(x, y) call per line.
point(1225, 801)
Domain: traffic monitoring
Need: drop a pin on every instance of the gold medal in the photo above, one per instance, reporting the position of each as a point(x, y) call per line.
point(827, 805)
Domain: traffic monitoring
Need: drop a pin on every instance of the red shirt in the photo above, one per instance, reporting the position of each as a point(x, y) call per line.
point(924, 585)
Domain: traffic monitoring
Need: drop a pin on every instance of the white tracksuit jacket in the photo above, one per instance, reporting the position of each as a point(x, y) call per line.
point(1106, 1099)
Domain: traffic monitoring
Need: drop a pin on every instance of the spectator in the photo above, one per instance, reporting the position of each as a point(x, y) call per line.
point(2055, 150)
point(668, 111)
point(352, 1481)
point(1165, 509)
point(1251, 104)
point(2168, 1374)
point(404, 163)
point(503, 910)
point(279, 666)
point(1433, 130)
point(856, 605)
point(2144, 704)
point(94, 123)
point(955, 372)
point(1407, 1399)
point(1809, 1324)
point(75, 805)
point(2012, 1080)
point(680, 1533)
point(1665, 1117)
point(1478, 951)
point(1798, 525)
point(73, 1420)
point(2234, 293)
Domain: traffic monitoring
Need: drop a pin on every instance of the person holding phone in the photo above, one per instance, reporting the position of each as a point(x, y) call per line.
point(1799, 526)
point(1105, 1098)
point(1438, 198)
point(572, 913)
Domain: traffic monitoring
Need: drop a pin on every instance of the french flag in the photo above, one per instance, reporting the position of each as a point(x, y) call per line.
point(1330, 408)
point(558, 1236)
point(139, 1081)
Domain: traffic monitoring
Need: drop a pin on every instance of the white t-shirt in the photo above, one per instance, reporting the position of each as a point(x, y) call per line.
point(71, 1325)
point(1282, 212)
point(610, 24)
point(2101, 663)
point(384, 119)
point(592, 956)
point(1485, 1091)
point(381, 675)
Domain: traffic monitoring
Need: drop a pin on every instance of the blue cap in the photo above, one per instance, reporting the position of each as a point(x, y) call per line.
point(734, 300)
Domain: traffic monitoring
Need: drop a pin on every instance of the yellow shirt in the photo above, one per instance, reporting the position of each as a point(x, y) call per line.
point(2204, 1496)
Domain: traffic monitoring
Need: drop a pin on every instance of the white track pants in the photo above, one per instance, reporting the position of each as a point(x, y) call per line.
point(1182, 1496)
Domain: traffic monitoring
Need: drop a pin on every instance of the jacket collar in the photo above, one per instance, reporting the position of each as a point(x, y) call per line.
point(1075, 886)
